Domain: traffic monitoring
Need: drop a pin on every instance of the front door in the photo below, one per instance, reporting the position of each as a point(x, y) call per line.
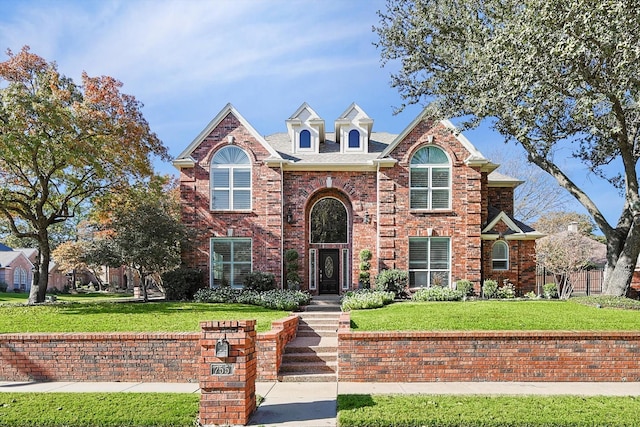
point(329, 271)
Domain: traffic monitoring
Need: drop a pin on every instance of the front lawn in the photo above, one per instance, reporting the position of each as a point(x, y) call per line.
point(494, 315)
point(128, 317)
point(22, 297)
point(98, 409)
point(487, 411)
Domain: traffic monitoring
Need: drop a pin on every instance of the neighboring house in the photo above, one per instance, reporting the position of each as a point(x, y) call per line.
point(426, 201)
point(15, 269)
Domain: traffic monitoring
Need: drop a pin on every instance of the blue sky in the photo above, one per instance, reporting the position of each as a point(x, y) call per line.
point(185, 60)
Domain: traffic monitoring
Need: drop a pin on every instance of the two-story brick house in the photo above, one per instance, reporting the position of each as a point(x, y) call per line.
point(426, 201)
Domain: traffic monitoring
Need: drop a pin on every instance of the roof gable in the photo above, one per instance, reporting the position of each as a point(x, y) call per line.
point(7, 258)
point(516, 230)
point(184, 159)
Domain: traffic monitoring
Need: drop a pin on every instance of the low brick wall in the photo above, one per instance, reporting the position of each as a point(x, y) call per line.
point(487, 356)
point(127, 357)
point(165, 357)
point(270, 347)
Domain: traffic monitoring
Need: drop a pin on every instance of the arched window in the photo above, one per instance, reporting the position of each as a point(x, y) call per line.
point(231, 179)
point(430, 179)
point(305, 139)
point(20, 278)
point(328, 221)
point(500, 255)
point(354, 139)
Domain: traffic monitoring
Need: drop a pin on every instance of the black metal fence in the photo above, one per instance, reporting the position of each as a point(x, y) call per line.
point(588, 282)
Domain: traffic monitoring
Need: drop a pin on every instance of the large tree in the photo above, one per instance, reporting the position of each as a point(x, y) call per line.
point(62, 143)
point(555, 76)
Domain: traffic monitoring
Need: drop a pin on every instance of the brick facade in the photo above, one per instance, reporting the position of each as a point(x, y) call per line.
point(373, 186)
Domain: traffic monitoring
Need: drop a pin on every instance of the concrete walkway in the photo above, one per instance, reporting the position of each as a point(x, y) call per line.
point(314, 404)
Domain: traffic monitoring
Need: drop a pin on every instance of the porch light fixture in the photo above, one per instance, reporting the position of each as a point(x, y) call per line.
point(366, 219)
point(289, 217)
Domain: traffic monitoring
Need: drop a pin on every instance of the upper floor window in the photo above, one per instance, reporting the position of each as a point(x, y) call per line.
point(329, 222)
point(231, 179)
point(354, 139)
point(305, 139)
point(500, 255)
point(430, 179)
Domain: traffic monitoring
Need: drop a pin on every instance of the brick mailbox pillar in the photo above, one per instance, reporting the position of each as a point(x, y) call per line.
point(228, 372)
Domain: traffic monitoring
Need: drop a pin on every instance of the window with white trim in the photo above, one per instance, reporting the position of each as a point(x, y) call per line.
point(305, 139)
point(230, 261)
point(354, 139)
point(20, 278)
point(231, 179)
point(430, 179)
point(429, 262)
point(500, 255)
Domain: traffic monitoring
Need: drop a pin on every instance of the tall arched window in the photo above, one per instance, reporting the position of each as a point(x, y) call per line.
point(328, 221)
point(305, 139)
point(231, 179)
point(354, 139)
point(20, 278)
point(500, 255)
point(430, 179)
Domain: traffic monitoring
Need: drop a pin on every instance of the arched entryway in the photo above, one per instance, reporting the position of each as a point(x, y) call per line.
point(329, 243)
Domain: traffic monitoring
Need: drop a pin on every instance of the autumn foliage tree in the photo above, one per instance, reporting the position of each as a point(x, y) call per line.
point(554, 76)
point(62, 143)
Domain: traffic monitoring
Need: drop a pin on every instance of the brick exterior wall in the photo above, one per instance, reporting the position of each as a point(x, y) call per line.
point(522, 265)
point(397, 223)
point(487, 356)
point(383, 196)
point(127, 357)
point(263, 224)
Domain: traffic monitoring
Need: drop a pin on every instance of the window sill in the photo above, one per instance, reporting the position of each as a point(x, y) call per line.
point(431, 211)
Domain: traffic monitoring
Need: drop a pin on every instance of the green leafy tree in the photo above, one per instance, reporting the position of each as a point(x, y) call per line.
point(140, 227)
point(552, 75)
point(61, 144)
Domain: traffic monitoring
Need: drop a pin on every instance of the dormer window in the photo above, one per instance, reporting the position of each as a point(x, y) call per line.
point(305, 139)
point(353, 130)
point(306, 130)
point(354, 139)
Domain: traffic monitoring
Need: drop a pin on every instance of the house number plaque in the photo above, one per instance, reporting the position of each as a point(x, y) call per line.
point(222, 369)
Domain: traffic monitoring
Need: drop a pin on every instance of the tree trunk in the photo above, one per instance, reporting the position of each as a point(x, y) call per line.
point(620, 266)
point(40, 283)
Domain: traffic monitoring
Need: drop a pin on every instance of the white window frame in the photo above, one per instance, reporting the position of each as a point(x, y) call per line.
point(313, 278)
point(231, 188)
point(430, 167)
point(233, 263)
point(505, 245)
point(429, 269)
point(346, 271)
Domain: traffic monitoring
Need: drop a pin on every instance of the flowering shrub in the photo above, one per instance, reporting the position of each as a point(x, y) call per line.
point(438, 293)
point(507, 291)
point(490, 289)
point(465, 286)
point(365, 298)
point(275, 299)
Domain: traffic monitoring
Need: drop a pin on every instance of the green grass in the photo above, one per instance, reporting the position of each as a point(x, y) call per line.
point(487, 411)
point(128, 317)
point(21, 297)
point(495, 315)
point(98, 409)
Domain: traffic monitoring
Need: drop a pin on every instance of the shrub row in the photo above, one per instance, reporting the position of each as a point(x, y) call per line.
point(366, 298)
point(275, 299)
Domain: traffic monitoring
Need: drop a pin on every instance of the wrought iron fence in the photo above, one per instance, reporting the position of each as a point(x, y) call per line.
point(587, 282)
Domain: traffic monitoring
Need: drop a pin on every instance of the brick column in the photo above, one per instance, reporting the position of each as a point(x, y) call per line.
point(227, 383)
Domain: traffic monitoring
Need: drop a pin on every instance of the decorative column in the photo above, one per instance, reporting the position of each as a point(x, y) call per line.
point(228, 372)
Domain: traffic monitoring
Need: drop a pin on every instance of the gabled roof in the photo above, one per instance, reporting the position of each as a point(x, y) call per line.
point(476, 158)
point(184, 159)
point(353, 114)
point(9, 257)
point(517, 230)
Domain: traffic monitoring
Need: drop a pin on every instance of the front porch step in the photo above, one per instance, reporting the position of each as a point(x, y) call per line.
point(309, 357)
point(308, 378)
point(321, 367)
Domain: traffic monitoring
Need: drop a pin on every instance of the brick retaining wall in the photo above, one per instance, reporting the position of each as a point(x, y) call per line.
point(487, 356)
point(144, 357)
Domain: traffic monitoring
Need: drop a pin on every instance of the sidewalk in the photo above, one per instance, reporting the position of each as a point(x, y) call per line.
point(314, 404)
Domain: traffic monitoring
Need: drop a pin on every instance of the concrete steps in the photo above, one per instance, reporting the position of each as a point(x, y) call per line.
point(313, 355)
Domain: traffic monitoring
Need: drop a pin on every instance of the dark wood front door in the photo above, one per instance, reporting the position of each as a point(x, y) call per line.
point(329, 271)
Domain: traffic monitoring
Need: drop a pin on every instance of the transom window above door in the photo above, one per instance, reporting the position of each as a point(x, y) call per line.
point(231, 179)
point(329, 221)
point(430, 179)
